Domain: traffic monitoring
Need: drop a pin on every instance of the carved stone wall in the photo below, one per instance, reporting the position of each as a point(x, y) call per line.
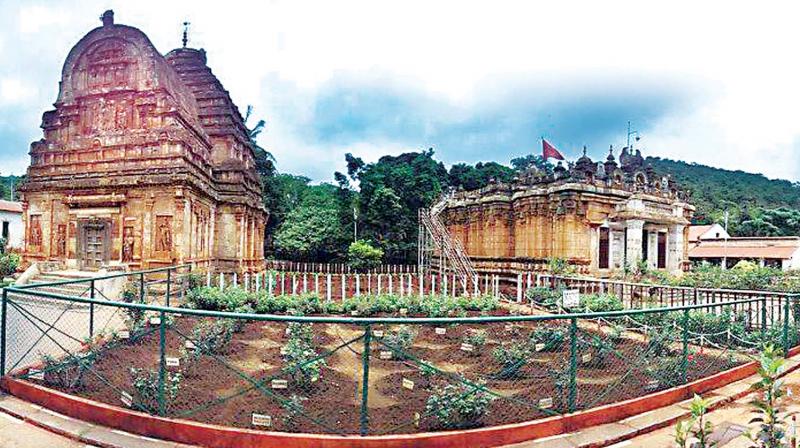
point(153, 147)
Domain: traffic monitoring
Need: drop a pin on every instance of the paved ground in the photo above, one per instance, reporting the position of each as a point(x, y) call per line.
point(728, 421)
point(15, 433)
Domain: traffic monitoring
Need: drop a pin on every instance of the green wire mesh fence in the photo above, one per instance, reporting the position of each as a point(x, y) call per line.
point(397, 372)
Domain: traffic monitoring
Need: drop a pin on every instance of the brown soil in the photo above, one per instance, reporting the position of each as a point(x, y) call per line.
point(229, 388)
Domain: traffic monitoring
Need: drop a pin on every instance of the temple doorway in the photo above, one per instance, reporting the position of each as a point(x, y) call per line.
point(94, 244)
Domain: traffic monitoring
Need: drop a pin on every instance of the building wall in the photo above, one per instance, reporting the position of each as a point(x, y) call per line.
point(15, 228)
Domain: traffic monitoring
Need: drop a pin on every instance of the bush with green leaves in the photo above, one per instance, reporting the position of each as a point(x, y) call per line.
point(697, 426)
point(457, 406)
point(363, 256)
point(552, 338)
point(599, 303)
point(512, 357)
point(545, 297)
point(477, 339)
point(300, 355)
point(146, 382)
point(600, 348)
point(770, 416)
point(400, 340)
point(216, 299)
point(68, 373)
point(210, 337)
point(9, 262)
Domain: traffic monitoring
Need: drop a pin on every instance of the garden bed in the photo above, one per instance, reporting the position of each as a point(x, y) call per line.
point(231, 386)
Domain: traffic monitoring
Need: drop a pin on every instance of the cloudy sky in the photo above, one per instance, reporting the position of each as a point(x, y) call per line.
point(706, 82)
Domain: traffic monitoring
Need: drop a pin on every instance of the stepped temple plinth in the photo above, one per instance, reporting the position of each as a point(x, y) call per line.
point(601, 217)
point(145, 162)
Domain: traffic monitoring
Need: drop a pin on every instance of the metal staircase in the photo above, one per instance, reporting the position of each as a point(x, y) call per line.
point(435, 241)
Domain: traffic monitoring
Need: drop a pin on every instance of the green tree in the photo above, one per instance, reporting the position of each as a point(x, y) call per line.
point(392, 190)
point(362, 256)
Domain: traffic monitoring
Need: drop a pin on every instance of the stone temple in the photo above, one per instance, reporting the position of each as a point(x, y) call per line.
point(601, 217)
point(145, 162)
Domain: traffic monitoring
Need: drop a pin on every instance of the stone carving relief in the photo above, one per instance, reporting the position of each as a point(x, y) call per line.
point(163, 234)
point(36, 231)
point(61, 240)
point(128, 244)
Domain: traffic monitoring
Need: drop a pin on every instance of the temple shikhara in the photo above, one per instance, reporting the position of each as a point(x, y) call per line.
point(600, 216)
point(145, 162)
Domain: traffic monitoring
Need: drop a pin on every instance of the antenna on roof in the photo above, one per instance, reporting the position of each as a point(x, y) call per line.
point(185, 33)
point(636, 133)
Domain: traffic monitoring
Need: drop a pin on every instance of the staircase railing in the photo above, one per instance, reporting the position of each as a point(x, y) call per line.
point(450, 248)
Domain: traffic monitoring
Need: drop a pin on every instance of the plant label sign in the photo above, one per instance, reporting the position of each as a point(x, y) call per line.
point(36, 375)
point(403, 311)
point(279, 384)
point(173, 362)
point(354, 313)
point(408, 384)
point(124, 334)
point(652, 385)
point(417, 418)
point(126, 399)
point(586, 358)
point(440, 330)
point(377, 333)
point(261, 420)
point(539, 347)
point(190, 345)
point(385, 355)
point(546, 403)
point(155, 320)
point(467, 347)
point(509, 327)
point(570, 298)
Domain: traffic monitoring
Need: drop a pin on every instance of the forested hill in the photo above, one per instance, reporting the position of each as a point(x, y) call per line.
point(715, 190)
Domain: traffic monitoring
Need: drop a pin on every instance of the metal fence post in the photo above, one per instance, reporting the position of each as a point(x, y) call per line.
point(141, 287)
point(786, 327)
point(3, 334)
point(573, 363)
point(169, 280)
point(365, 381)
point(162, 365)
point(764, 319)
point(685, 360)
point(91, 310)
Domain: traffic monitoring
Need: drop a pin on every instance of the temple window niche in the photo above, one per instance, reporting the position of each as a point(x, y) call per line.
point(604, 246)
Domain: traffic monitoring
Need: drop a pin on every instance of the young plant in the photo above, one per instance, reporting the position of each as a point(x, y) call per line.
point(457, 406)
point(145, 383)
point(552, 338)
point(400, 341)
point(697, 426)
point(209, 338)
point(512, 358)
point(67, 373)
point(769, 414)
point(600, 349)
point(477, 339)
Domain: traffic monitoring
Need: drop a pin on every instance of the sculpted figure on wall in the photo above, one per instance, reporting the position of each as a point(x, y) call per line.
point(61, 240)
point(163, 233)
point(127, 244)
point(36, 231)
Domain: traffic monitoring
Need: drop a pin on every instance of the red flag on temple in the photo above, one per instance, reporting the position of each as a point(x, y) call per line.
point(549, 151)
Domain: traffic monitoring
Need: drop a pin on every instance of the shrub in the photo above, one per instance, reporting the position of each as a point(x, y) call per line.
point(600, 349)
point(9, 262)
point(145, 383)
point(210, 337)
point(552, 338)
point(301, 362)
point(599, 303)
point(69, 373)
point(666, 370)
point(767, 407)
point(362, 256)
point(512, 358)
point(400, 340)
point(215, 299)
point(135, 316)
point(545, 297)
point(456, 406)
point(476, 338)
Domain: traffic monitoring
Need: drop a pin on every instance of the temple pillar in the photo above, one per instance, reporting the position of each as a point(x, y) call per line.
point(633, 242)
point(675, 248)
point(147, 232)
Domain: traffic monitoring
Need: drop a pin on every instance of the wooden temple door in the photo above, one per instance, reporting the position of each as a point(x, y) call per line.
point(94, 244)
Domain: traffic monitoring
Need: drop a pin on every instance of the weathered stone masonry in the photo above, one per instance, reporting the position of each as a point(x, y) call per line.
point(599, 216)
point(145, 162)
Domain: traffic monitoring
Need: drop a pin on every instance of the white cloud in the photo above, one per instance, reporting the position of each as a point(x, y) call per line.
point(15, 91)
point(742, 52)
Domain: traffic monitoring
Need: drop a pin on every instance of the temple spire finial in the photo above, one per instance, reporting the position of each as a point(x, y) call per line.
point(185, 33)
point(108, 17)
point(584, 150)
